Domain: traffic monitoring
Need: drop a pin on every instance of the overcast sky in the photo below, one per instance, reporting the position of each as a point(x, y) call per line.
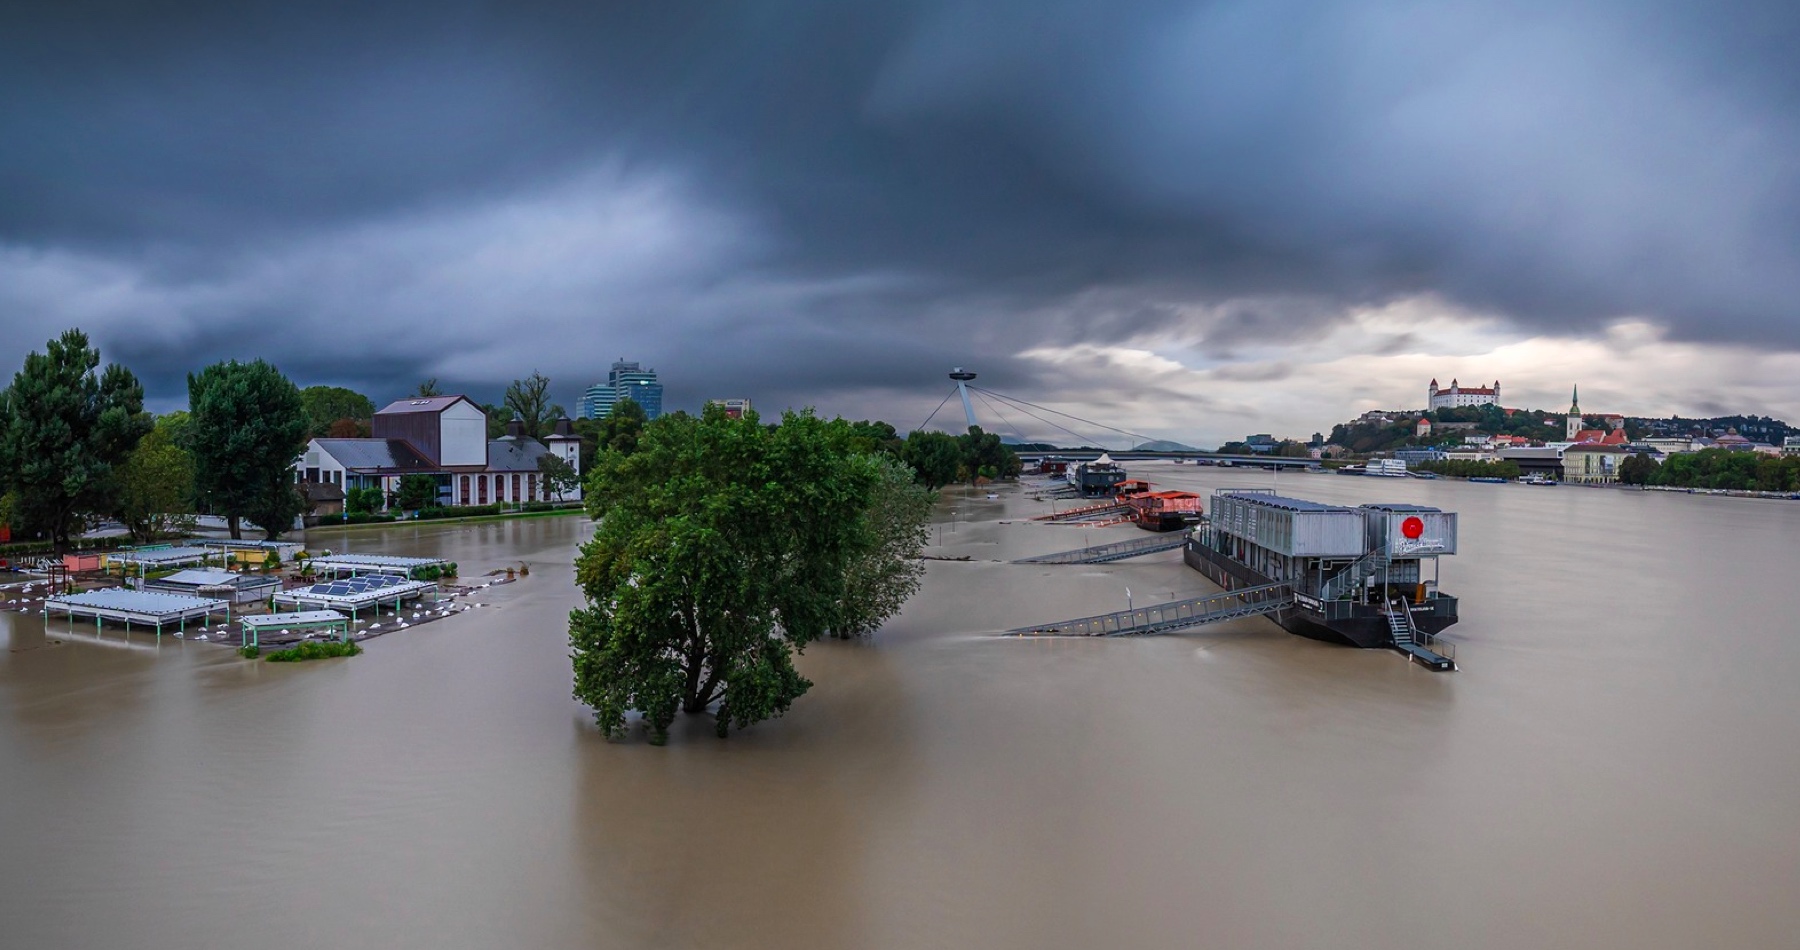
point(1189, 219)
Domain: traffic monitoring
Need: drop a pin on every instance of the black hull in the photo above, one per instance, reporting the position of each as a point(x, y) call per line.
point(1172, 521)
point(1356, 625)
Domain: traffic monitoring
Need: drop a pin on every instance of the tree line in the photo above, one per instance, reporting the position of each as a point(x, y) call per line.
point(1715, 468)
point(77, 446)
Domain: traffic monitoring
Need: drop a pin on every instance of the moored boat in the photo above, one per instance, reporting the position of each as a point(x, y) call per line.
point(1364, 576)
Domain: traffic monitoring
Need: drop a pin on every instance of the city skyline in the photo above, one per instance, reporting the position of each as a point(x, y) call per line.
point(1166, 216)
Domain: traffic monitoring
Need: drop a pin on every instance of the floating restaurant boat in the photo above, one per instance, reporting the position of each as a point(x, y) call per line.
point(1364, 576)
point(1164, 510)
point(1097, 478)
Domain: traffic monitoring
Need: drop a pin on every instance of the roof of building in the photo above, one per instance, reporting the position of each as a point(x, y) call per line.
point(422, 404)
point(1597, 447)
point(1600, 436)
point(376, 455)
point(303, 618)
point(1281, 501)
point(515, 455)
point(200, 577)
point(132, 601)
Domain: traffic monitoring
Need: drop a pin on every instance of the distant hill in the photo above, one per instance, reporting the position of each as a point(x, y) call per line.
point(1164, 445)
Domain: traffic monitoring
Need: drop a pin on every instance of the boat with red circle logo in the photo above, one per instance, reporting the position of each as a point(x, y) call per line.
point(1364, 576)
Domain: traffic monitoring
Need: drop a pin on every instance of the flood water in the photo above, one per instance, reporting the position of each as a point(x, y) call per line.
point(1616, 765)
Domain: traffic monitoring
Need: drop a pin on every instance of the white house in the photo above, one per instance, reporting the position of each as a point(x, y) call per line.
point(444, 437)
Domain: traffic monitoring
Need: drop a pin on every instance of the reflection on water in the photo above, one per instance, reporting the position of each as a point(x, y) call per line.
point(1614, 766)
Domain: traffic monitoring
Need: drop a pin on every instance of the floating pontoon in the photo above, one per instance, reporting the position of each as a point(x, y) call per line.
point(199, 582)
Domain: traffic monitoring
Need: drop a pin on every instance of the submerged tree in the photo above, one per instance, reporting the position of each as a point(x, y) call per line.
point(722, 548)
point(883, 576)
point(246, 426)
point(65, 425)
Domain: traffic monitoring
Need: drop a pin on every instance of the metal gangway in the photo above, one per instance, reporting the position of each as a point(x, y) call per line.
point(1175, 615)
point(1116, 551)
point(1087, 511)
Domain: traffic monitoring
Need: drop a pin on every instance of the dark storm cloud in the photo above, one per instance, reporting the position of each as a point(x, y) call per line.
point(803, 201)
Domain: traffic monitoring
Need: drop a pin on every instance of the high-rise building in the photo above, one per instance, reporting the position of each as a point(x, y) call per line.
point(626, 380)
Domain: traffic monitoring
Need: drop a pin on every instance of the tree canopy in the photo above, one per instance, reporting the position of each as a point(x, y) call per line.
point(416, 491)
point(885, 574)
point(558, 475)
point(722, 547)
point(156, 483)
point(935, 457)
point(65, 425)
point(529, 399)
point(247, 424)
point(329, 405)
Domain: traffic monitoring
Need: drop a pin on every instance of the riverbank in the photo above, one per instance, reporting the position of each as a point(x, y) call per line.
point(473, 519)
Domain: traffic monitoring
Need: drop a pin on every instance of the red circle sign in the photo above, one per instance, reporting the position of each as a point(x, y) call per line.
point(1412, 527)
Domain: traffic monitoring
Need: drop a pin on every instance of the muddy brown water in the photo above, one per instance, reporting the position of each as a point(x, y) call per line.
point(1616, 764)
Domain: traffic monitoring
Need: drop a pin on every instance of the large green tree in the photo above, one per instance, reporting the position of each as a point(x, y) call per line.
point(156, 483)
point(985, 456)
point(326, 405)
point(722, 548)
point(884, 575)
point(65, 425)
point(246, 425)
point(935, 457)
point(620, 430)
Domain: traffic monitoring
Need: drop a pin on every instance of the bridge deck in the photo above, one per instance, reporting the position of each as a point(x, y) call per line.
point(1175, 615)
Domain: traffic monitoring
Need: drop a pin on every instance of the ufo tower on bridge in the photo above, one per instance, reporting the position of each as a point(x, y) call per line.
point(962, 378)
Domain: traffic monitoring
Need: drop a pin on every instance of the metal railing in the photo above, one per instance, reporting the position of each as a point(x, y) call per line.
point(1116, 551)
point(1175, 615)
point(1353, 575)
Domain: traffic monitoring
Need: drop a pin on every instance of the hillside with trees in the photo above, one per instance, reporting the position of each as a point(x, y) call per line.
point(1536, 425)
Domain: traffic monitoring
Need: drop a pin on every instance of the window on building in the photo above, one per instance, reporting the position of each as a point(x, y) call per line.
point(481, 489)
point(515, 486)
point(465, 489)
point(531, 485)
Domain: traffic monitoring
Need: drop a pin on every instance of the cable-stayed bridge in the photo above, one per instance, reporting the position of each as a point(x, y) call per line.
point(993, 401)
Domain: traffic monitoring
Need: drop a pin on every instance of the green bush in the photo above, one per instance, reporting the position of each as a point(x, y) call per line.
point(365, 518)
point(312, 650)
point(450, 569)
point(250, 651)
